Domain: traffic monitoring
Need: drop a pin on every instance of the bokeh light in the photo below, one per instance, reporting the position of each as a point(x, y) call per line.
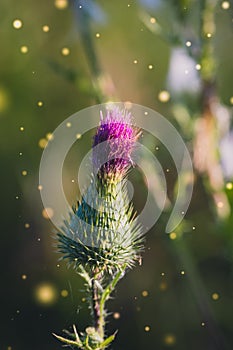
point(169, 339)
point(24, 49)
point(164, 96)
point(46, 28)
point(61, 4)
point(42, 143)
point(17, 24)
point(226, 5)
point(47, 213)
point(215, 296)
point(46, 294)
point(64, 293)
point(116, 315)
point(65, 51)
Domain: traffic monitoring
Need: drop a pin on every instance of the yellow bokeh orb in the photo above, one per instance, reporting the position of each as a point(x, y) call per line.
point(65, 51)
point(226, 5)
point(229, 186)
point(45, 29)
point(164, 96)
point(172, 235)
point(64, 293)
point(145, 293)
point(215, 296)
point(47, 213)
point(61, 4)
point(46, 294)
point(169, 339)
point(42, 143)
point(24, 49)
point(17, 23)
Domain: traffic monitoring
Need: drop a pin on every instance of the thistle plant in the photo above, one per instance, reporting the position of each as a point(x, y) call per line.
point(102, 238)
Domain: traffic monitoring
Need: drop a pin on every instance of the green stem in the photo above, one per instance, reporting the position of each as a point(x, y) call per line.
point(98, 314)
point(99, 298)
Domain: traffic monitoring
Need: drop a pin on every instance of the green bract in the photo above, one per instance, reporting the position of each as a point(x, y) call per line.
point(102, 232)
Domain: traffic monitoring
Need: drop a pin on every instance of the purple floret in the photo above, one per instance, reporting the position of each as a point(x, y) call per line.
point(112, 159)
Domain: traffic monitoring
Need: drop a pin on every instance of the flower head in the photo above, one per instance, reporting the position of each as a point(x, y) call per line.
point(116, 137)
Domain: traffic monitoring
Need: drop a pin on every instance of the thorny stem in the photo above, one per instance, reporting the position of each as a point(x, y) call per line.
point(98, 313)
point(99, 298)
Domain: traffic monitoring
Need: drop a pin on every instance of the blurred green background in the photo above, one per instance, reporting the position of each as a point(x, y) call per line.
point(175, 57)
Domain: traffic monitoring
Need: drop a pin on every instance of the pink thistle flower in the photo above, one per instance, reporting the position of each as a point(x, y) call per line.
point(115, 140)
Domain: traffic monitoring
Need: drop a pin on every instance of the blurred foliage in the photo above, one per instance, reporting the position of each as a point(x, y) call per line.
point(181, 296)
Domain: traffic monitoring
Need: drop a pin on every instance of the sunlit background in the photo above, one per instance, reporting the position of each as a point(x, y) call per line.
point(174, 56)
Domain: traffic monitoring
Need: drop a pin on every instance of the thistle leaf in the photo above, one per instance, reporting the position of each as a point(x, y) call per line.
point(108, 341)
point(68, 341)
